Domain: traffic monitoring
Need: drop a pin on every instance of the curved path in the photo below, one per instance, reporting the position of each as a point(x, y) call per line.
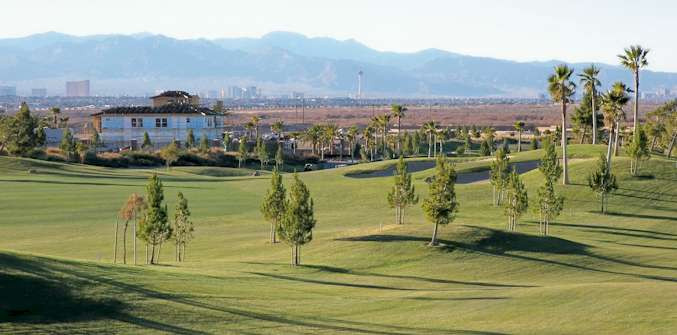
point(462, 178)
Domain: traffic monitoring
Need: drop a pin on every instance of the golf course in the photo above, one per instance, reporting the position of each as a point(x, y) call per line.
point(361, 273)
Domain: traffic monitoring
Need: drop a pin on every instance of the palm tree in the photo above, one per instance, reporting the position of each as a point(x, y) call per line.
point(430, 128)
point(384, 123)
point(277, 127)
point(351, 137)
point(55, 116)
point(398, 112)
point(255, 121)
point(590, 82)
point(249, 126)
point(562, 89)
point(634, 58)
point(369, 131)
point(612, 103)
point(313, 135)
point(519, 126)
point(331, 131)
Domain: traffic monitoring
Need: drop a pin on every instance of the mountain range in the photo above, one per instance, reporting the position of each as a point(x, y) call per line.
point(279, 62)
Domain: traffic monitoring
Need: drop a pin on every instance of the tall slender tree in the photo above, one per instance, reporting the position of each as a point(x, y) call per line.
point(441, 205)
point(499, 175)
point(398, 111)
point(517, 200)
point(590, 82)
point(297, 225)
point(183, 227)
point(242, 152)
point(154, 227)
point(274, 204)
point(190, 139)
point(613, 103)
point(602, 182)
point(562, 90)
point(131, 211)
point(519, 126)
point(403, 192)
point(634, 59)
point(638, 150)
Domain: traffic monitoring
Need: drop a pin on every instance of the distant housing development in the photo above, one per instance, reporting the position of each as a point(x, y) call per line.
point(169, 118)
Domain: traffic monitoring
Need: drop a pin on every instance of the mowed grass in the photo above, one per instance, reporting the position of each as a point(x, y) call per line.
point(596, 274)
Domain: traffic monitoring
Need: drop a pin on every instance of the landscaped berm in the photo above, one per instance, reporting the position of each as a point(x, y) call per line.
point(360, 274)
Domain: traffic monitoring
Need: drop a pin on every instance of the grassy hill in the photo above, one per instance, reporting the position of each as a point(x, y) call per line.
point(596, 274)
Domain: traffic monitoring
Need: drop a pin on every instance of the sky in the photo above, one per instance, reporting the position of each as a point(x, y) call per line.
point(526, 30)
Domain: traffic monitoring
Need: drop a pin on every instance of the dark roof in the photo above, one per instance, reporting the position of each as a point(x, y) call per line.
point(166, 109)
point(173, 94)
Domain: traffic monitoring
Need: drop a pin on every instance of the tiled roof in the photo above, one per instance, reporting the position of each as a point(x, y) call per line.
point(166, 109)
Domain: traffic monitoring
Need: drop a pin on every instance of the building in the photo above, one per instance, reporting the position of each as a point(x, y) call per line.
point(235, 92)
point(7, 91)
point(39, 92)
point(169, 118)
point(77, 88)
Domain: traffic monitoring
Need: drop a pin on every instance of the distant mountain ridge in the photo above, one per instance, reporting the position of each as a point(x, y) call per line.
point(279, 62)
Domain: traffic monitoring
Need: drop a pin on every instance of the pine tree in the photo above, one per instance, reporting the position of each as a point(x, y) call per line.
point(506, 146)
point(485, 149)
point(147, 144)
point(204, 144)
point(516, 201)
point(499, 176)
point(602, 182)
point(262, 153)
point(297, 225)
point(550, 205)
point(638, 150)
point(183, 227)
point(23, 132)
point(550, 167)
point(403, 193)
point(170, 154)
point(273, 205)
point(154, 228)
point(68, 145)
point(279, 157)
point(441, 203)
point(242, 152)
point(190, 139)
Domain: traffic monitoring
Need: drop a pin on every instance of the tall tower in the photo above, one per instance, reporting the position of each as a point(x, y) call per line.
point(359, 84)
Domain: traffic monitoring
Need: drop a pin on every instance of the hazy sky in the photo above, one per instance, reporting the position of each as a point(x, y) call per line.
point(571, 30)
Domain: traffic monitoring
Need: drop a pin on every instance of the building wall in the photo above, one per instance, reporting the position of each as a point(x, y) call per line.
point(117, 130)
point(77, 88)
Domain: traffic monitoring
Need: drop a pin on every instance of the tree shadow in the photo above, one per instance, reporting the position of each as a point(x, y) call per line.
point(643, 216)
point(611, 228)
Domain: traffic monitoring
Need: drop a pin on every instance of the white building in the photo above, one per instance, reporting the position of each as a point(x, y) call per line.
point(173, 113)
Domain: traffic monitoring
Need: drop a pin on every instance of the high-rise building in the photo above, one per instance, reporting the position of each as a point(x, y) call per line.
point(7, 91)
point(77, 88)
point(252, 92)
point(39, 92)
point(235, 92)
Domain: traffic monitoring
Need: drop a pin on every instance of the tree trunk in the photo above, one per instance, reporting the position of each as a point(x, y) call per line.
point(635, 121)
point(399, 138)
point(115, 243)
point(183, 253)
point(618, 128)
point(293, 256)
point(611, 143)
point(272, 233)
point(672, 144)
point(147, 259)
point(519, 141)
point(134, 233)
point(298, 254)
point(434, 239)
point(429, 144)
point(124, 244)
point(594, 117)
point(565, 167)
point(159, 249)
point(152, 254)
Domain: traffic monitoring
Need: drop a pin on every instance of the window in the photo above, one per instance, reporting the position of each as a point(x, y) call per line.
point(164, 122)
point(137, 123)
point(133, 123)
point(187, 120)
point(158, 123)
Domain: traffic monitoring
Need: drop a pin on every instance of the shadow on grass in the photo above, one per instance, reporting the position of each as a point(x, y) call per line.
point(91, 274)
point(643, 216)
point(61, 182)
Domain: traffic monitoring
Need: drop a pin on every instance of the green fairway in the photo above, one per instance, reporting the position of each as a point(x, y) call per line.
point(361, 274)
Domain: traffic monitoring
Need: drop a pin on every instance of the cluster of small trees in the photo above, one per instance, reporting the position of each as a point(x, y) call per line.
point(21, 133)
point(291, 217)
point(150, 216)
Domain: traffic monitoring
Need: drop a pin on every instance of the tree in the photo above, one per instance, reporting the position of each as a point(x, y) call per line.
point(274, 204)
point(170, 153)
point(81, 150)
point(255, 122)
point(68, 145)
point(499, 175)
point(279, 157)
point(403, 193)
point(430, 128)
point(183, 227)
point(297, 225)
point(190, 139)
point(602, 182)
point(534, 143)
point(583, 117)
point(55, 111)
point(352, 138)
point(154, 228)
point(384, 123)
point(277, 128)
point(131, 210)
point(467, 144)
point(613, 103)
point(549, 166)
point(517, 200)
point(441, 203)
point(634, 59)
point(226, 141)
point(416, 143)
point(638, 150)
point(147, 144)
point(506, 145)
point(95, 140)
point(663, 121)
point(262, 153)
point(204, 144)
point(489, 136)
point(398, 111)
point(23, 132)
point(519, 126)
point(590, 82)
point(485, 150)
point(242, 152)
point(562, 90)
point(550, 205)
